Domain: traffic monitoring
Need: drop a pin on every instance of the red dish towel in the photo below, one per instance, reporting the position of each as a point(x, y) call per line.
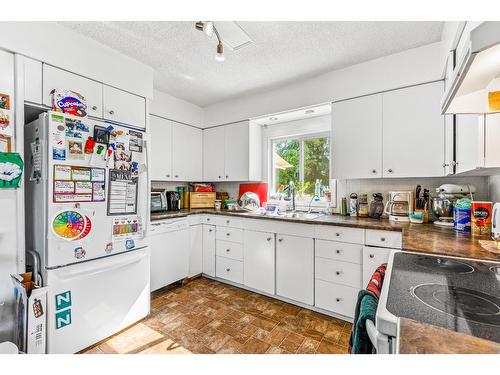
point(375, 284)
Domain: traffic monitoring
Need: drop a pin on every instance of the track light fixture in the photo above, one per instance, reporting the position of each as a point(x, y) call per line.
point(209, 29)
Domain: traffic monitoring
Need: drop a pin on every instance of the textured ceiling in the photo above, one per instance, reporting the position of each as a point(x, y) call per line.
point(282, 52)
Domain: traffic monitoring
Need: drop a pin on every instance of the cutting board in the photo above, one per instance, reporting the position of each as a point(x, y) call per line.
point(259, 188)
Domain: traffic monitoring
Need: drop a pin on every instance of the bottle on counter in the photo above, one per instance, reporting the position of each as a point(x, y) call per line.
point(353, 204)
point(363, 205)
point(343, 206)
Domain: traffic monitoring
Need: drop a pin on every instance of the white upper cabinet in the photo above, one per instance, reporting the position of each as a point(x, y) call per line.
point(33, 81)
point(124, 107)
point(161, 150)
point(413, 132)
point(55, 78)
point(232, 152)
point(213, 154)
point(469, 134)
point(187, 144)
point(492, 135)
point(357, 138)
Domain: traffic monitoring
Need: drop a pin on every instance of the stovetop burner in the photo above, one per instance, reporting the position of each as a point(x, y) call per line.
point(445, 264)
point(462, 303)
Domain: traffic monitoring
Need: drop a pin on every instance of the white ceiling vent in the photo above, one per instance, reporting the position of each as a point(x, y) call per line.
point(233, 36)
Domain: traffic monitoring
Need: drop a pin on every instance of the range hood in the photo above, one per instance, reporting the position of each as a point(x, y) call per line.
point(475, 83)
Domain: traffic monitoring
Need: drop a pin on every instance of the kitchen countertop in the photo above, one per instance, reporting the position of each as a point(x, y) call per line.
point(422, 338)
point(423, 238)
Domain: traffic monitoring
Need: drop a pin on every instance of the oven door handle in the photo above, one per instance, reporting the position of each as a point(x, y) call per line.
point(379, 340)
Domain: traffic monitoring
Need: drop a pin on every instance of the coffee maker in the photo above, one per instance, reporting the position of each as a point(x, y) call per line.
point(399, 205)
point(173, 201)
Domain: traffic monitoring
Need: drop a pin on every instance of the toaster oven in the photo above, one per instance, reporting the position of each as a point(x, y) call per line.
point(158, 201)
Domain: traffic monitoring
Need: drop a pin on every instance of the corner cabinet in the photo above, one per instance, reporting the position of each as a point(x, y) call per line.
point(175, 151)
point(398, 133)
point(232, 152)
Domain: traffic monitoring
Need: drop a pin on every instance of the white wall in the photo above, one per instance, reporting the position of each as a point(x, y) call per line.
point(414, 66)
point(57, 45)
point(170, 107)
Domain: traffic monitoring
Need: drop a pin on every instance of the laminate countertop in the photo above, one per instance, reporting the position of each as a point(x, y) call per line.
point(421, 338)
point(422, 238)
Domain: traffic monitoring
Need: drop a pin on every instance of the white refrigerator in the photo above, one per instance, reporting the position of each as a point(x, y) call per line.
point(86, 218)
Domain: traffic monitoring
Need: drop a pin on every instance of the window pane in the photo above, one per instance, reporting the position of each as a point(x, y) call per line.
point(316, 164)
point(286, 162)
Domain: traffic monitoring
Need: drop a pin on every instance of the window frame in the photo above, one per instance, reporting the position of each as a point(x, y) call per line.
point(301, 138)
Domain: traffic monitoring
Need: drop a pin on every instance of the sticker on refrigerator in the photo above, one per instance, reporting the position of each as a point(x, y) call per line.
point(80, 252)
point(135, 141)
point(36, 160)
point(123, 157)
point(76, 184)
point(69, 102)
point(63, 309)
point(6, 126)
point(122, 193)
point(83, 187)
point(80, 173)
point(70, 225)
point(128, 227)
point(62, 172)
point(64, 187)
point(74, 149)
point(4, 101)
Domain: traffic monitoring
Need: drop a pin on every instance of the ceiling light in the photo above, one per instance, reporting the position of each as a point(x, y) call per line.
point(209, 29)
point(309, 111)
point(273, 118)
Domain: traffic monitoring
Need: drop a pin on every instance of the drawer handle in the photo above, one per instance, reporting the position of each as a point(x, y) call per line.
point(228, 250)
point(228, 234)
point(210, 230)
point(227, 221)
point(337, 273)
point(338, 299)
point(390, 170)
point(168, 175)
point(338, 251)
point(372, 256)
point(94, 108)
point(208, 219)
point(228, 269)
point(374, 171)
point(382, 239)
point(176, 176)
point(269, 238)
point(220, 176)
point(338, 234)
point(280, 240)
point(111, 112)
point(227, 176)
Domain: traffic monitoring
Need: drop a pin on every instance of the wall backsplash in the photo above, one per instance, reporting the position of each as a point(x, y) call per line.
point(379, 185)
point(494, 188)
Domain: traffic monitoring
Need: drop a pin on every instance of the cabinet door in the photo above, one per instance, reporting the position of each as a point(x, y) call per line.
point(33, 90)
point(237, 152)
point(195, 250)
point(208, 265)
point(357, 138)
point(413, 132)
point(258, 260)
point(55, 78)
point(186, 152)
point(161, 150)
point(469, 136)
point(124, 107)
point(213, 154)
point(372, 258)
point(295, 268)
point(492, 135)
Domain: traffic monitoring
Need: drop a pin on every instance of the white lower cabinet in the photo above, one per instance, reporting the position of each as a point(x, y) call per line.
point(340, 299)
point(295, 268)
point(195, 250)
point(229, 269)
point(258, 265)
point(372, 258)
point(208, 265)
point(338, 272)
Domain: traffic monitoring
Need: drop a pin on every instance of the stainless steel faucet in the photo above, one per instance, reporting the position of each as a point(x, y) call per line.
point(291, 193)
point(310, 202)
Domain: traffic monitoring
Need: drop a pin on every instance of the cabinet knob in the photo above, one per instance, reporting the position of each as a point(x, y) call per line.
point(111, 112)
point(382, 239)
point(337, 234)
point(94, 108)
point(176, 176)
point(338, 299)
point(338, 251)
point(227, 221)
point(390, 170)
point(210, 230)
point(337, 273)
point(228, 234)
point(280, 240)
point(269, 238)
point(168, 175)
point(372, 256)
point(208, 219)
point(227, 176)
point(374, 171)
point(446, 165)
point(228, 269)
point(228, 250)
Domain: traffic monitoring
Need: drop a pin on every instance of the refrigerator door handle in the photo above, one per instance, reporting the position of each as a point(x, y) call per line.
point(89, 271)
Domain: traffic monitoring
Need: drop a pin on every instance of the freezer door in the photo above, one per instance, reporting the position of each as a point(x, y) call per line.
point(90, 301)
point(85, 208)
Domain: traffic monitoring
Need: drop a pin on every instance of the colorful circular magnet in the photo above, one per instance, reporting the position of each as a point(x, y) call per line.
point(69, 225)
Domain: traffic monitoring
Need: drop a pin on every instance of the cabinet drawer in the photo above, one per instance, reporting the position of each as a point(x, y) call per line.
point(346, 252)
point(336, 298)
point(230, 234)
point(229, 269)
point(338, 272)
point(372, 258)
point(342, 234)
point(384, 238)
point(208, 220)
point(228, 249)
point(227, 221)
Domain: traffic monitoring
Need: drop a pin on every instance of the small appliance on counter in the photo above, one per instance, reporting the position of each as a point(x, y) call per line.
point(376, 206)
point(158, 200)
point(399, 205)
point(249, 201)
point(173, 201)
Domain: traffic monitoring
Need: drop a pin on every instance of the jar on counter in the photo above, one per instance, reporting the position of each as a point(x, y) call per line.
point(363, 205)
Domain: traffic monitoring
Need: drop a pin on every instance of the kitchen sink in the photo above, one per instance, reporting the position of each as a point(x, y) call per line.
point(302, 215)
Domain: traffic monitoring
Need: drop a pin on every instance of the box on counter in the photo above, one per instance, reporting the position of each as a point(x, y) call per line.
point(31, 307)
point(481, 218)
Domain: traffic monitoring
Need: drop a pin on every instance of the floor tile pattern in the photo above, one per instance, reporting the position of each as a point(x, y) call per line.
point(206, 316)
